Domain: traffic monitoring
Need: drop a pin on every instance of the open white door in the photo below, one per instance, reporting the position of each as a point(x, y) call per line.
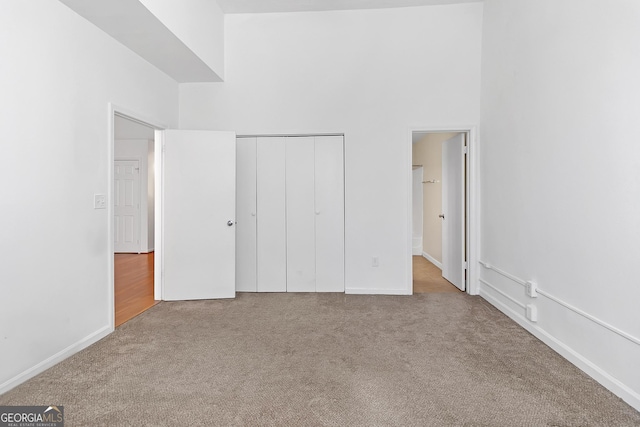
point(453, 207)
point(198, 218)
point(418, 210)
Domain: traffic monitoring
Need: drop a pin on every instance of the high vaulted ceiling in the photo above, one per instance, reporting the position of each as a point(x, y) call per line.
point(266, 6)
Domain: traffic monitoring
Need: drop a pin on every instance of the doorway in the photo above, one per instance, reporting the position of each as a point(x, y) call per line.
point(132, 182)
point(442, 218)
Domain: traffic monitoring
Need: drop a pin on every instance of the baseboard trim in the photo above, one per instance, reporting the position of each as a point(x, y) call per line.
point(55, 359)
point(367, 291)
point(432, 260)
point(594, 371)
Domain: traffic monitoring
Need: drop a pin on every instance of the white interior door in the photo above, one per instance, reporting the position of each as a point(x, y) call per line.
point(301, 230)
point(272, 221)
point(329, 212)
point(453, 207)
point(418, 208)
point(246, 210)
point(126, 209)
point(199, 202)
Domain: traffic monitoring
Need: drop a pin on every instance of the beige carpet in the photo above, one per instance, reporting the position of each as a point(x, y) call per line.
point(442, 359)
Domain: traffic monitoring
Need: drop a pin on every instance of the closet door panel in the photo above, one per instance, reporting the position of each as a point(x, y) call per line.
point(329, 201)
point(301, 257)
point(271, 214)
point(246, 215)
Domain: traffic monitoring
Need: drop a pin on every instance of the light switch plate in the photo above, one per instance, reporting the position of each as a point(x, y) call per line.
point(99, 201)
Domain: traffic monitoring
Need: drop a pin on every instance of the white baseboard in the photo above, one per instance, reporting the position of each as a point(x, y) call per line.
point(367, 291)
point(594, 371)
point(432, 260)
point(416, 250)
point(55, 359)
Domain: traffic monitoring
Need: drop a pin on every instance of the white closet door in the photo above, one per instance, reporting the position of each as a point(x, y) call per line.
point(329, 212)
point(246, 215)
point(301, 256)
point(271, 214)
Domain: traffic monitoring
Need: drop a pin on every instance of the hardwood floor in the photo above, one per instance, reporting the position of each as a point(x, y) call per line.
point(133, 285)
point(428, 278)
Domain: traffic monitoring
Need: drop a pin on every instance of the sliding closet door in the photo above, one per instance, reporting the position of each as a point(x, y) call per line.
point(301, 256)
point(271, 214)
point(246, 182)
point(329, 213)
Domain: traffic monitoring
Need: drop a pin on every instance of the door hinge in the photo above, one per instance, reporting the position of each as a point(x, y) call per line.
point(465, 265)
point(466, 149)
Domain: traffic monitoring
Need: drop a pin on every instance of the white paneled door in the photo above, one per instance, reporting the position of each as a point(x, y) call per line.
point(453, 207)
point(126, 209)
point(199, 202)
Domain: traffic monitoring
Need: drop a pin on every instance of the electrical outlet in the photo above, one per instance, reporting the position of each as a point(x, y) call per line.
point(532, 312)
point(531, 289)
point(99, 201)
point(375, 261)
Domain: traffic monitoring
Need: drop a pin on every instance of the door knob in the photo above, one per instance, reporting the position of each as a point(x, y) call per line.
point(230, 223)
point(441, 216)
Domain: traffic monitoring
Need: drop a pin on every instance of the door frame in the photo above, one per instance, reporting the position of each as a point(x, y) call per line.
point(113, 111)
point(472, 201)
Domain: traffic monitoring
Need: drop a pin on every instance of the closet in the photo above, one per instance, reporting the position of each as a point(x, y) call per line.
point(290, 214)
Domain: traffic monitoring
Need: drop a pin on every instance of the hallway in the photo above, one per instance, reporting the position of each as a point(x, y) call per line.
point(427, 278)
point(133, 285)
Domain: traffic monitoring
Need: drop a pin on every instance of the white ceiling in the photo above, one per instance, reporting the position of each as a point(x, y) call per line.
point(266, 6)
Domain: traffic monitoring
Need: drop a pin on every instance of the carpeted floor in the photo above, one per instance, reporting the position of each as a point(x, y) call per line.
point(442, 359)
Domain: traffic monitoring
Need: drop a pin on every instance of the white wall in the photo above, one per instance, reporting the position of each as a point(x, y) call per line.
point(199, 24)
point(561, 175)
point(370, 74)
point(57, 76)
